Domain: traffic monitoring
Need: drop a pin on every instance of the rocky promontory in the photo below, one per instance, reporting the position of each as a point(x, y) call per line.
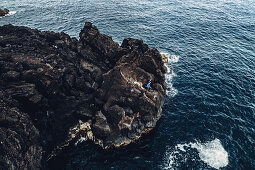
point(55, 89)
point(4, 12)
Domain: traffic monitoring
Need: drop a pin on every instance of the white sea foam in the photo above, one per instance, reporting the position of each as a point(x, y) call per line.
point(175, 156)
point(10, 13)
point(171, 58)
point(170, 90)
point(82, 139)
point(211, 153)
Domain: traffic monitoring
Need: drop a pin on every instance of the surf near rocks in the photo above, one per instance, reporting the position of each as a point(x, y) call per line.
point(55, 89)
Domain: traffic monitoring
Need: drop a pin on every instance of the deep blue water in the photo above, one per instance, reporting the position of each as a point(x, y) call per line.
point(208, 120)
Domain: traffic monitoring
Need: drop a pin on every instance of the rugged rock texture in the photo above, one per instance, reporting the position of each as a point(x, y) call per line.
point(54, 89)
point(4, 12)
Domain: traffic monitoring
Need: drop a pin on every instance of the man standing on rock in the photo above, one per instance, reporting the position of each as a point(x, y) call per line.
point(148, 85)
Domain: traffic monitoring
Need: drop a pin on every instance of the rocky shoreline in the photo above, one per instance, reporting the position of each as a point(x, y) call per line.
point(4, 12)
point(55, 89)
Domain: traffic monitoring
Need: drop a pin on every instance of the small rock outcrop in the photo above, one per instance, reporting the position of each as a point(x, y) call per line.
point(55, 89)
point(4, 12)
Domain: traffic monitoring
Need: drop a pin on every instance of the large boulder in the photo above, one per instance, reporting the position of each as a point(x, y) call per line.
point(51, 84)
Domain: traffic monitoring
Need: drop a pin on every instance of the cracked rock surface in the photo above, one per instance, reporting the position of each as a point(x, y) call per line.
point(50, 83)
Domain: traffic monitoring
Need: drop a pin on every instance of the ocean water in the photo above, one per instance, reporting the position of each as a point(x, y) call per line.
point(208, 120)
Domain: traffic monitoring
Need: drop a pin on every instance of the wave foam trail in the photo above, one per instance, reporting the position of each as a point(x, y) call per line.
point(171, 58)
point(170, 90)
point(10, 13)
point(82, 139)
point(212, 153)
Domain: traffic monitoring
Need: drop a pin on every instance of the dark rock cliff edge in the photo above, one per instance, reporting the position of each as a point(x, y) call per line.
point(55, 89)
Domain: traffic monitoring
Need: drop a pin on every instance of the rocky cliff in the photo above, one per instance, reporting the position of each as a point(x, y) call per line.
point(55, 89)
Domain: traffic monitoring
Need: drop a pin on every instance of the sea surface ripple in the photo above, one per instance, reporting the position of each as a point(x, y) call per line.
point(209, 114)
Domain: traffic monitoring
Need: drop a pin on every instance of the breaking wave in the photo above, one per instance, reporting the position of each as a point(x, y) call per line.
point(172, 58)
point(10, 13)
point(170, 90)
point(212, 153)
point(82, 139)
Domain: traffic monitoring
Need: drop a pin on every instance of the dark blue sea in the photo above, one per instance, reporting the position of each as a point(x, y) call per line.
point(208, 120)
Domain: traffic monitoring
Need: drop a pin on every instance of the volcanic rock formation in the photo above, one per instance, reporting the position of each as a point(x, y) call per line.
point(55, 89)
point(3, 12)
